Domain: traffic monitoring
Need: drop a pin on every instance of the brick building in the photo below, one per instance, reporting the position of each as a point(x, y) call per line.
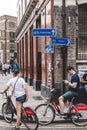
point(68, 17)
point(8, 26)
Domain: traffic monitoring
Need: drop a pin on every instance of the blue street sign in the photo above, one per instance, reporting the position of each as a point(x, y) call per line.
point(60, 41)
point(49, 48)
point(43, 32)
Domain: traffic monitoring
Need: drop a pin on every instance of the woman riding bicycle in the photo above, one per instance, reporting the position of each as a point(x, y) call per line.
point(20, 92)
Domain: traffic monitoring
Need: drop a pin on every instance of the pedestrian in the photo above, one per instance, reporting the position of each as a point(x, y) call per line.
point(84, 81)
point(4, 70)
point(20, 91)
point(15, 67)
point(0, 67)
point(73, 90)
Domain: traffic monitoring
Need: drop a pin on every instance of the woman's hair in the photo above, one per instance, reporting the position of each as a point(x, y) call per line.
point(15, 73)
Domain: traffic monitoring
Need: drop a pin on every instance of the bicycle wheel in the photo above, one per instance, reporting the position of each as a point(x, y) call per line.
point(79, 118)
point(7, 113)
point(46, 114)
point(30, 119)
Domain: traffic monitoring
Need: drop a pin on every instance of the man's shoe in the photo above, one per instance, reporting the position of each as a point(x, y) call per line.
point(15, 128)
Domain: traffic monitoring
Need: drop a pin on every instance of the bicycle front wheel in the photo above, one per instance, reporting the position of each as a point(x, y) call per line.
point(79, 118)
point(30, 119)
point(7, 113)
point(46, 114)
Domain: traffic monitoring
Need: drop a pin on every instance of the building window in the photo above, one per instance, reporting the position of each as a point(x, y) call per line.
point(11, 24)
point(12, 36)
point(82, 42)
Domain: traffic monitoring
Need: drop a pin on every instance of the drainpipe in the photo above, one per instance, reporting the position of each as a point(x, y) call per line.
point(5, 40)
point(64, 48)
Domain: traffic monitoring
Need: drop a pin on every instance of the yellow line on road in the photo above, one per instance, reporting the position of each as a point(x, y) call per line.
point(62, 126)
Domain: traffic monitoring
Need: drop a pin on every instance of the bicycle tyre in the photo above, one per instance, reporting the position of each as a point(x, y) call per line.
point(80, 117)
point(48, 117)
point(30, 119)
point(7, 113)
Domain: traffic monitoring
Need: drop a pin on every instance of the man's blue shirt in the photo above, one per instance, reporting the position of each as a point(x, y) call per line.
point(75, 78)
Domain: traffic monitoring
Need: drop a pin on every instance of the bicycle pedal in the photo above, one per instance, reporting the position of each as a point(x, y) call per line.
point(66, 117)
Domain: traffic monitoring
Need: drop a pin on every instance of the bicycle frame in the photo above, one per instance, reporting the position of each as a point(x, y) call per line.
point(46, 112)
point(9, 101)
point(24, 111)
point(28, 115)
point(75, 108)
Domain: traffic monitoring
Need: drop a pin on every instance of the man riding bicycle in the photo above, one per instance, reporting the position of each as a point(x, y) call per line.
point(73, 87)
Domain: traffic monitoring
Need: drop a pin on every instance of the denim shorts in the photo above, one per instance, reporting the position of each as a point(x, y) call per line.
point(21, 98)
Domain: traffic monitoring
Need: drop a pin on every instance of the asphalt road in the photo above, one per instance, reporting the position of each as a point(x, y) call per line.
point(53, 126)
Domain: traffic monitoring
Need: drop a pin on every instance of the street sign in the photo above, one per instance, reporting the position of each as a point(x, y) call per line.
point(43, 32)
point(49, 48)
point(60, 41)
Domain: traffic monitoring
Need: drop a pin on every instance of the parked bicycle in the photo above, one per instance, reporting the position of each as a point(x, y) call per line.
point(28, 115)
point(46, 112)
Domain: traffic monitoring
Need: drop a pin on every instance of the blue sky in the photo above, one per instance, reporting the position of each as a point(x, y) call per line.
point(8, 7)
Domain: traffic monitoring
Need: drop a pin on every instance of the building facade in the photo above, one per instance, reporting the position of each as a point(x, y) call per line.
point(8, 26)
point(44, 70)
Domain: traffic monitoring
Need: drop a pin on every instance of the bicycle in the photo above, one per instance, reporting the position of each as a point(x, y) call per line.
point(46, 112)
point(28, 115)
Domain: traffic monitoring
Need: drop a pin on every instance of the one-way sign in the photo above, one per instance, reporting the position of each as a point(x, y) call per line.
point(60, 41)
point(38, 32)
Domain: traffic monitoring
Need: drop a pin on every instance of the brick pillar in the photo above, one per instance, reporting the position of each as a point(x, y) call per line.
point(29, 67)
point(22, 56)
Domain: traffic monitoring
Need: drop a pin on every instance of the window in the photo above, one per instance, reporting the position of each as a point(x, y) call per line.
point(82, 43)
point(12, 35)
point(12, 24)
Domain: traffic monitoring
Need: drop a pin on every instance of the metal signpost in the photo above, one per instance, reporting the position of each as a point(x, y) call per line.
point(49, 49)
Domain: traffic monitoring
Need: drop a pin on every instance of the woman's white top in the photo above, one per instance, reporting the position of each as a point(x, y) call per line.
point(18, 90)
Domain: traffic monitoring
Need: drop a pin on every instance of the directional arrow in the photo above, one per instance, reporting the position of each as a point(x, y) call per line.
point(60, 41)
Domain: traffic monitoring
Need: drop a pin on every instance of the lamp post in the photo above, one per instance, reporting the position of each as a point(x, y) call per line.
point(64, 48)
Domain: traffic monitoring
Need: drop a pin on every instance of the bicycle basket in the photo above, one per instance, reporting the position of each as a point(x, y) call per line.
point(9, 93)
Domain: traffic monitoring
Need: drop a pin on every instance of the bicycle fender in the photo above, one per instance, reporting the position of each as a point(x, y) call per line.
point(29, 111)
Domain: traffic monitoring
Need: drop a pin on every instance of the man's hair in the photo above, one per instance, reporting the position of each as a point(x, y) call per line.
point(70, 68)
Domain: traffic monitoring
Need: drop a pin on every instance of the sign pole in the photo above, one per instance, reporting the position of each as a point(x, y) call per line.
point(48, 74)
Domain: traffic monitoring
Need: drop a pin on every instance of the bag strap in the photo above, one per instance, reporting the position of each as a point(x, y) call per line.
point(14, 86)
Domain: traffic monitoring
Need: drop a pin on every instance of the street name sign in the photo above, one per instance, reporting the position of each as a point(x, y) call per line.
point(60, 41)
point(38, 32)
point(49, 48)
